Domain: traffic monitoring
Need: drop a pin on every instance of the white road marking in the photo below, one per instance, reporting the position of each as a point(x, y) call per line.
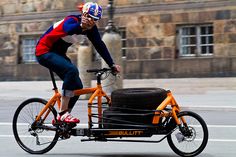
point(24, 136)
point(85, 125)
point(209, 140)
point(221, 126)
point(208, 106)
point(222, 140)
point(211, 108)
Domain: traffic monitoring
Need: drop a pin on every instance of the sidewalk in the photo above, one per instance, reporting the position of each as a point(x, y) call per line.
point(196, 93)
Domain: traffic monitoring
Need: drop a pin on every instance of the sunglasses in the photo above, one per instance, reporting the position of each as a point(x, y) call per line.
point(88, 16)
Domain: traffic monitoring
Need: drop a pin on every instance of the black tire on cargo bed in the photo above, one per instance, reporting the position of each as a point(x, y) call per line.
point(116, 117)
point(138, 98)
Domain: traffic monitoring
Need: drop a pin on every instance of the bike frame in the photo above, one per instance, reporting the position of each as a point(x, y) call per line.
point(170, 100)
point(113, 124)
point(99, 93)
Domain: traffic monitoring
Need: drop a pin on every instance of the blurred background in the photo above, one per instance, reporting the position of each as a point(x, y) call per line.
point(187, 46)
point(159, 38)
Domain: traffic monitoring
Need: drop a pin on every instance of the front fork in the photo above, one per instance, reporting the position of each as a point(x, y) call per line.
point(181, 122)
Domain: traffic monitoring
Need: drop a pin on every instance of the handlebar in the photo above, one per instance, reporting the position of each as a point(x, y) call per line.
point(102, 71)
point(98, 70)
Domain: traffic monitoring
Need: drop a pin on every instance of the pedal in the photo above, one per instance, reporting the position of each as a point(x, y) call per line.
point(71, 125)
point(66, 129)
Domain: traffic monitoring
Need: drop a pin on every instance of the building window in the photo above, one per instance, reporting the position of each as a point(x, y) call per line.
point(196, 40)
point(28, 49)
point(123, 41)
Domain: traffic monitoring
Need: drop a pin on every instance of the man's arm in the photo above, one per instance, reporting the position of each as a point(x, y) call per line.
point(99, 45)
point(72, 26)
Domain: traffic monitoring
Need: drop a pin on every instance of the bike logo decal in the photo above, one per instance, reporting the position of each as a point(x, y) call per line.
point(124, 133)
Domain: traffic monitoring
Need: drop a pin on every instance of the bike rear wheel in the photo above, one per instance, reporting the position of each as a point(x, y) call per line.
point(191, 138)
point(34, 139)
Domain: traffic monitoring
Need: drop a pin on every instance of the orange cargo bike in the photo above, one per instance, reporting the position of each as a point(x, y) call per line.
point(132, 112)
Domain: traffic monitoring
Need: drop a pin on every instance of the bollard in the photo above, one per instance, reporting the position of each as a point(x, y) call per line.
point(113, 43)
point(84, 59)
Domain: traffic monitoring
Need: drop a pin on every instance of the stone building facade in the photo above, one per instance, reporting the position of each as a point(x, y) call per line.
point(161, 38)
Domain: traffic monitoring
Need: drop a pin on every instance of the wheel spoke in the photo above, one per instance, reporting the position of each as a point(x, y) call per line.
point(195, 136)
point(33, 140)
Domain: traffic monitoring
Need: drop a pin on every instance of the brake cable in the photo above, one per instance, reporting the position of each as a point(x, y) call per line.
point(106, 76)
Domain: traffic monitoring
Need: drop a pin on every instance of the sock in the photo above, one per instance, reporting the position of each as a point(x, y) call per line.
point(63, 112)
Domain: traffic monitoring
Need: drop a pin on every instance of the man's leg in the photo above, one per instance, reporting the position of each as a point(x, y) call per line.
point(64, 113)
point(72, 102)
point(64, 104)
point(69, 74)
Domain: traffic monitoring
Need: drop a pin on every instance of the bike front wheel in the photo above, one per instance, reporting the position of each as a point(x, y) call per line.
point(34, 139)
point(191, 137)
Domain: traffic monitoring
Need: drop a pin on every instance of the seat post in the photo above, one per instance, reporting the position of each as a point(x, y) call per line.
point(53, 80)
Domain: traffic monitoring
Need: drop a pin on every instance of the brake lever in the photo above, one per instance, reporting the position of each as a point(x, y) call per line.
point(115, 74)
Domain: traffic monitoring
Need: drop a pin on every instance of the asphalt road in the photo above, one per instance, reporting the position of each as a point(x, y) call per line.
point(214, 100)
point(221, 125)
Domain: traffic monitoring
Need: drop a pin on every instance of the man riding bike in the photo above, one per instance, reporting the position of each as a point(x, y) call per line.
point(51, 53)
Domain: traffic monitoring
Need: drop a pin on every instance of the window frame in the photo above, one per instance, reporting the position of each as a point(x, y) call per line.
point(198, 51)
point(30, 46)
point(123, 34)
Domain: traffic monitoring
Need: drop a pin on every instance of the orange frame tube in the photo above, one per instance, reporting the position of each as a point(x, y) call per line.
point(56, 97)
point(168, 101)
point(97, 92)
